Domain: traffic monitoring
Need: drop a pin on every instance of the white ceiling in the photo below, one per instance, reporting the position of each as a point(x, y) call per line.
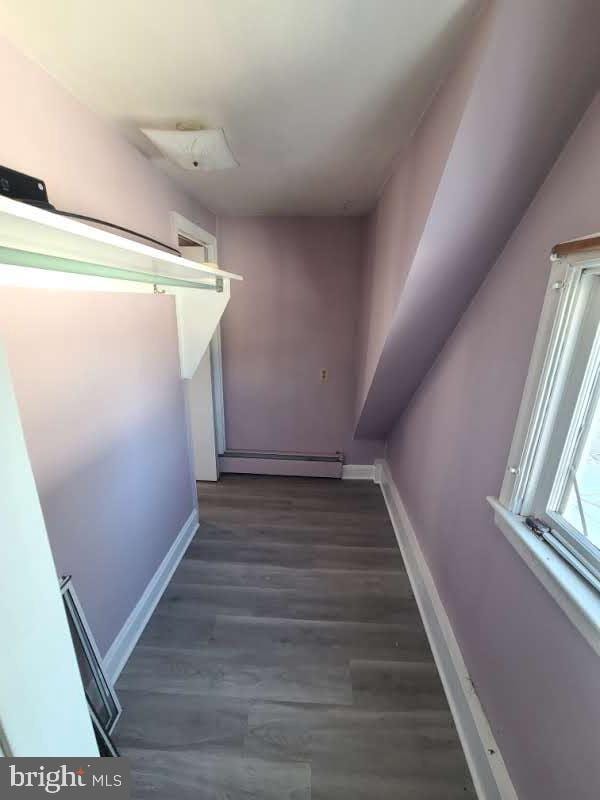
point(316, 97)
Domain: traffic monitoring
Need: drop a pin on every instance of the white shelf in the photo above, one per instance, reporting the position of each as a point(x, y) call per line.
point(27, 232)
point(47, 248)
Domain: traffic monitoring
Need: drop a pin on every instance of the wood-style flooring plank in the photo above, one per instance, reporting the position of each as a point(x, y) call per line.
point(399, 744)
point(343, 641)
point(154, 720)
point(298, 556)
point(360, 534)
point(201, 775)
point(329, 784)
point(398, 685)
point(172, 631)
point(287, 659)
point(238, 672)
point(196, 572)
point(185, 600)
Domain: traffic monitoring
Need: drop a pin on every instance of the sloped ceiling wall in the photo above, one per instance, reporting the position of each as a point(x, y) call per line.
point(396, 224)
point(484, 147)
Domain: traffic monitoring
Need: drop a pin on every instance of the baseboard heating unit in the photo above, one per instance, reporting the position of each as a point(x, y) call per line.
point(260, 462)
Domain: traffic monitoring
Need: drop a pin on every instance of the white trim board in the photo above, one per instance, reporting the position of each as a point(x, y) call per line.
point(276, 466)
point(122, 647)
point(183, 226)
point(573, 593)
point(489, 773)
point(358, 472)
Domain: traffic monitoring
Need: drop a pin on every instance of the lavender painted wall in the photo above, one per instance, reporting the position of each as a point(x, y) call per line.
point(88, 167)
point(538, 680)
point(383, 276)
point(295, 315)
point(489, 139)
point(396, 224)
point(96, 375)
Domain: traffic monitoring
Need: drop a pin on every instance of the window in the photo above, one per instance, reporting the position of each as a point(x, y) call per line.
point(553, 475)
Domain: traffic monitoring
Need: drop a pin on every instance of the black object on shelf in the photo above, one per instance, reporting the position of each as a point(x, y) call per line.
point(30, 190)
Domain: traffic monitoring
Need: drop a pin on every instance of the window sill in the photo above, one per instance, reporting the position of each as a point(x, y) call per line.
point(579, 600)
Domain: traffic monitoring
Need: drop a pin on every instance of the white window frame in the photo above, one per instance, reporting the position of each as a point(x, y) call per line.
point(526, 487)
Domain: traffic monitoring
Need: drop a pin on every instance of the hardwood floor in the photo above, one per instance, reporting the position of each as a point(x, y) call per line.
point(287, 659)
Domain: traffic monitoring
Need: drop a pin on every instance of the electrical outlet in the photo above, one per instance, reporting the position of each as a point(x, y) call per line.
point(324, 376)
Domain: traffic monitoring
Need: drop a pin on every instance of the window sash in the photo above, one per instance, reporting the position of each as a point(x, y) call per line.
point(566, 424)
point(557, 397)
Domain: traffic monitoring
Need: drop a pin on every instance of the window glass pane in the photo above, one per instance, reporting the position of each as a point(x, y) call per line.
point(581, 506)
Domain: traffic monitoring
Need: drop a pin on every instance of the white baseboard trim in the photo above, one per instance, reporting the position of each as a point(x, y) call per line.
point(488, 770)
point(120, 650)
point(358, 472)
point(275, 466)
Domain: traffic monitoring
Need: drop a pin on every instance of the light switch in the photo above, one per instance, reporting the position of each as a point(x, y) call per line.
point(324, 376)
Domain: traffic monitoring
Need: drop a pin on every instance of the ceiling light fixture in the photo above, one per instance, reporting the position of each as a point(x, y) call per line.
point(203, 150)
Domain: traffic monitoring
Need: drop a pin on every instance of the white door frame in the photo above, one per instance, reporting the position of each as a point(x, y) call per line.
point(195, 233)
